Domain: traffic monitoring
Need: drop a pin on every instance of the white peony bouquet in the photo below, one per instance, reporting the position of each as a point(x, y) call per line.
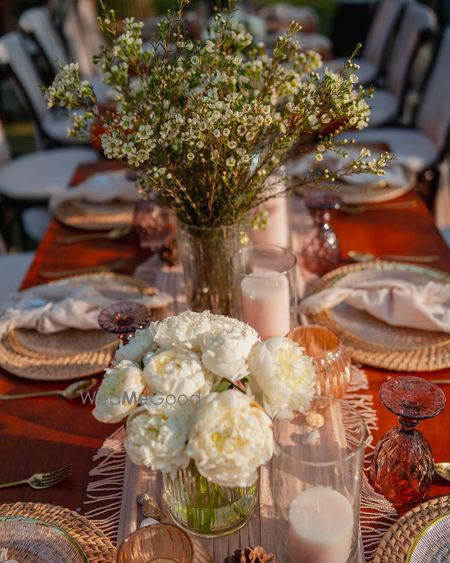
point(193, 386)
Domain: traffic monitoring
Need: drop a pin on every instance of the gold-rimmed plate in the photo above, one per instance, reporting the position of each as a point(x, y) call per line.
point(35, 532)
point(91, 216)
point(375, 343)
point(400, 541)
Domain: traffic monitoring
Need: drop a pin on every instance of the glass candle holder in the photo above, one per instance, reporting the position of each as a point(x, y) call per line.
point(158, 543)
point(265, 289)
point(317, 483)
point(330, 358)
point(402, 468)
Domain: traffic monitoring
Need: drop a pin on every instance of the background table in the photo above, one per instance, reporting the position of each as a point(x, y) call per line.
point(46, 433)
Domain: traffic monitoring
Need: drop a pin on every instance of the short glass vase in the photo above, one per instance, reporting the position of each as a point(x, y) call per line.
point(207, 509)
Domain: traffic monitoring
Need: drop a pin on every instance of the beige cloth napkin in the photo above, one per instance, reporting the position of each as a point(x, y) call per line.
point(395, 301)
point(53, 308)
point(99, 188)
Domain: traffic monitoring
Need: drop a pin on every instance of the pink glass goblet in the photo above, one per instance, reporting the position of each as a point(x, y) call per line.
point(124, 318)
point(402, 467)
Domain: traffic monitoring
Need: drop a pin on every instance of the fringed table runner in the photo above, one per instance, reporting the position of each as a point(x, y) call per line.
point(115, 482)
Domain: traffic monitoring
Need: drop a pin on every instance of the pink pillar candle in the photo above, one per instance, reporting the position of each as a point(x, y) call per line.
point(278, 230)
point(266, 303)
point(320, 527)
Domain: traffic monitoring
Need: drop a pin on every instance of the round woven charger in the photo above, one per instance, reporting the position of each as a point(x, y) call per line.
point(71, 353)
point(97, 546)
point(94, 216)
point(415, 350)
point(397, 541)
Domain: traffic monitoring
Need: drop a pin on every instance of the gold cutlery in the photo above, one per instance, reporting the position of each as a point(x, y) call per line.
point(368, 257)
point(113, 234)
point(442, 468)
point(72, 391)
point(42, 480)
point(393, 206)
point(111, 267)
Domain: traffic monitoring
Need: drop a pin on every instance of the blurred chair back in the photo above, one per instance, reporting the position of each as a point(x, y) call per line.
point(87, 14)
point(418, 22)
point(433, 117)
point(76, 41)
point(14, 55)
point(37, 23)
point(386, 17)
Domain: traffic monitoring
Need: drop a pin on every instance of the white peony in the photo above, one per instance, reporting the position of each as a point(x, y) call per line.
point(184, 330)
point(285, 375)
point(226, 353)
point(175, 372)
point(157, 435)
point(230, 437)
point(138, 346)
point(119, 392)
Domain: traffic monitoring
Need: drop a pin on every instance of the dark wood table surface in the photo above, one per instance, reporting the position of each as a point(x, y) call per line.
point(48, 433)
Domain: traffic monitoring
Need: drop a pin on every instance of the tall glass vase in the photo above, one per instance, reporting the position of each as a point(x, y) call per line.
point(205, 254)
point(207, 509)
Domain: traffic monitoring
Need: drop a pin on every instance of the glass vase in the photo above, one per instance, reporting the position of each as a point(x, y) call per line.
point(205, 254)
point(204, 508)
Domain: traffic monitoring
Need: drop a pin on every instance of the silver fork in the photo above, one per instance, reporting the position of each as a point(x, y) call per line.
point(42, 480)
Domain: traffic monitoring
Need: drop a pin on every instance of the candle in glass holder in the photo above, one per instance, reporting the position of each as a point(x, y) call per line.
point(320, 527)
point(266, 303)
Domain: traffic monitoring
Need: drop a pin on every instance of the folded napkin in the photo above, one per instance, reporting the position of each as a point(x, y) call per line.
point(54, 307)
point(395, 301)
point(99, 188)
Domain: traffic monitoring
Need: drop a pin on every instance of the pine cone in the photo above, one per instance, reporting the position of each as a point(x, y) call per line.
point(251, 555)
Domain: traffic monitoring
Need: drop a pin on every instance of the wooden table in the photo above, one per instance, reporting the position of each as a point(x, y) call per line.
point(43, 434)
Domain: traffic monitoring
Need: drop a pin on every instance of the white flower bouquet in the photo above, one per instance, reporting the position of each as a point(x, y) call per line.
point(193, 386)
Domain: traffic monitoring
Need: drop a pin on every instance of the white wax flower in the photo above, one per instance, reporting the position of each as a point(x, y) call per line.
point(285, 375)
point(138, 345)
point(119, 392)
point(157, 435)
point(175, 372)
point(230, 437)
point(184, 330)
point(226, 353)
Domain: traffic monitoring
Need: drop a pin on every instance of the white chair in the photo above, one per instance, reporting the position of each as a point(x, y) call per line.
point(30, 180)
point(87, 16)
point(51, 125)
point(417, 24)
point(13, 268)
point(372, 55)
point(423, 146)
point(37, 23)
point(78, 43)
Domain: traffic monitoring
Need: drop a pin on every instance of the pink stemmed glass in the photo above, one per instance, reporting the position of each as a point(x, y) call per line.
point(321, 249)
point(402, 467)
point(124, 318)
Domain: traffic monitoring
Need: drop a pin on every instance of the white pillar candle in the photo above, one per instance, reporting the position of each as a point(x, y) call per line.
point(320, 527)
point(266, 303)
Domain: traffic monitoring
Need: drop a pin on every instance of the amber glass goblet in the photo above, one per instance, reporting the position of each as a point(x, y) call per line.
point(124, 318)
point(321, 249)
point(402, 466)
